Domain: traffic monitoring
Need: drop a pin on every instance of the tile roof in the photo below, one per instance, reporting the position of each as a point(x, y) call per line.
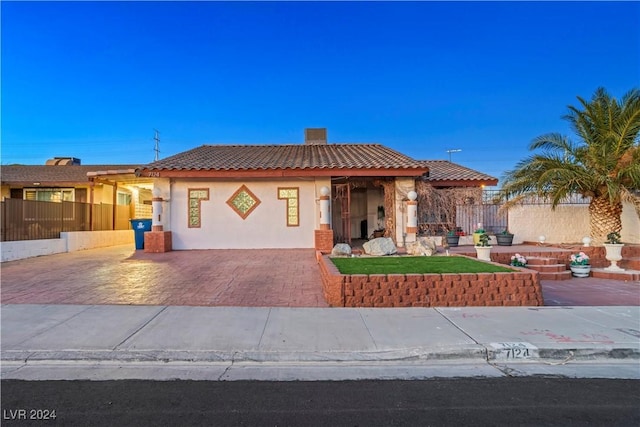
point(53, 174)
point(290, 156)
point(443, 170)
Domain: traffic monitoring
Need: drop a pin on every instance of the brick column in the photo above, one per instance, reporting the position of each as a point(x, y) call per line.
point(324, 236)
point(157, 240)
point(324, 240)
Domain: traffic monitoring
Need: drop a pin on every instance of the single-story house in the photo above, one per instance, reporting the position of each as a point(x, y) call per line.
point(291, 195)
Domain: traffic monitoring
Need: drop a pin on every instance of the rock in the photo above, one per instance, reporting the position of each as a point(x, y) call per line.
point(341, 249)
point(424, 246)
point(380, 246)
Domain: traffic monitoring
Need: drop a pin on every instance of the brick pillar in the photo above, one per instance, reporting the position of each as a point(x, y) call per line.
point(157, 240)
point(324, 240)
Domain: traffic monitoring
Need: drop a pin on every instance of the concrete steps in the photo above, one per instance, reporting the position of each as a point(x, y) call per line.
point(627, 275)
point(549, 268)
point(630, 263)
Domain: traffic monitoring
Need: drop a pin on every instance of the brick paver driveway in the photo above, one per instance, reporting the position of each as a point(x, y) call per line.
point(255, 277)
point(122, 275)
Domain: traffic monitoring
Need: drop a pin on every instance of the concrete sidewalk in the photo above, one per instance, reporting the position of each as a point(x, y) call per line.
point(223, 337)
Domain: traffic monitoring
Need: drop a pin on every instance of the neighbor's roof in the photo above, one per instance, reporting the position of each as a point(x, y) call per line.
point(443, 172)
point(322, 159)
point(56, 174)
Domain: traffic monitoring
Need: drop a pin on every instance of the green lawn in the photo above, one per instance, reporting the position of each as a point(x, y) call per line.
point(414, 264)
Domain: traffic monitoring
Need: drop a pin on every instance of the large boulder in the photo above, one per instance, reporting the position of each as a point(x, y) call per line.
point(341, 249)
point(424, 246)
point(380, 246)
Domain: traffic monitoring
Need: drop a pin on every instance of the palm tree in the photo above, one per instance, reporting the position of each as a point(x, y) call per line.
point(604, 164)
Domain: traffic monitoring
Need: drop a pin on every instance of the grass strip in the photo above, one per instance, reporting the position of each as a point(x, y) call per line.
point(414, 265)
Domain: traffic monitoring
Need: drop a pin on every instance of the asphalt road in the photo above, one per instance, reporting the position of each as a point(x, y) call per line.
point(460, 402)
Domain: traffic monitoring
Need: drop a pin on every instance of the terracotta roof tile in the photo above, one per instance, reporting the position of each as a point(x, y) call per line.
point(443, 170)
point(294, 156)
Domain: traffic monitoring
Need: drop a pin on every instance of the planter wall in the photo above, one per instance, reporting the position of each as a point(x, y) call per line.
point(519, 288)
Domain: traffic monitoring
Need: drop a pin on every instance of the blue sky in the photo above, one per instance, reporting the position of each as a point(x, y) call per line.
point(94, 79)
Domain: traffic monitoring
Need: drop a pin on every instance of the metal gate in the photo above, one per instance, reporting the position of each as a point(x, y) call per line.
point(468, 217)
point(343, 197)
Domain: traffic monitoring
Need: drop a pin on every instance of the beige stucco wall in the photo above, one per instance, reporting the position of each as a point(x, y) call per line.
point(81, 240)
point(565, 224)
point(265, 227)
point(630, 224)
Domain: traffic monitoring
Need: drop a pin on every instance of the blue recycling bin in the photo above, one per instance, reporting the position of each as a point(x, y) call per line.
point(139, 227)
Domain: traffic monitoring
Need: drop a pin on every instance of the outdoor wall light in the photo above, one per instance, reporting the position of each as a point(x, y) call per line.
point(542, 239)
point(586, 241)
point(324, 191)
point(412, 195)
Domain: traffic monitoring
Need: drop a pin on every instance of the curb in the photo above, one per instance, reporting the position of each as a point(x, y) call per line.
point(494, 352)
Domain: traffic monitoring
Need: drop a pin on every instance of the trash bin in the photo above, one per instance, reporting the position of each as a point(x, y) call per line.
point(139, 227)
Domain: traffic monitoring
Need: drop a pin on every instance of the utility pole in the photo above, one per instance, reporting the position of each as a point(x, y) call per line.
point(157, 149)
point(457, 150)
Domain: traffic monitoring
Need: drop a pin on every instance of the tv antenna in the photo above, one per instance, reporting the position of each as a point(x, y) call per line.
point(456, 150)
point(157, 148)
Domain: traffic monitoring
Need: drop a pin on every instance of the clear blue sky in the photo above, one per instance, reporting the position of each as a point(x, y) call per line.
point(94, 79)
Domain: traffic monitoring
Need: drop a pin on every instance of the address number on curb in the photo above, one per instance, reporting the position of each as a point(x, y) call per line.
point(514, 350)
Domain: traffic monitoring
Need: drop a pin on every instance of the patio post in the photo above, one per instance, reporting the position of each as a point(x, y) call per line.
point(412, 216)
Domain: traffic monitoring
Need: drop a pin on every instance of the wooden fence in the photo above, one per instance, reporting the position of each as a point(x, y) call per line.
point(32, 220)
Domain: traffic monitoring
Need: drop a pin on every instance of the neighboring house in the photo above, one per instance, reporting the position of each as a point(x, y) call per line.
point(271, 196)
point(64, 179)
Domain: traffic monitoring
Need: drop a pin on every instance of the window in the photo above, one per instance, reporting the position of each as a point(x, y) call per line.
point(124, 199)
point(293, 210)
point(243, 201)
point(196, 196)
point(49, 194)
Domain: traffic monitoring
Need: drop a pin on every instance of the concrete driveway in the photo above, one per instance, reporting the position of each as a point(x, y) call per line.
point(122, 275)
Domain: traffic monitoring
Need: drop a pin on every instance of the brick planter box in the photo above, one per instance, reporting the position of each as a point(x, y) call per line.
point(520, 288)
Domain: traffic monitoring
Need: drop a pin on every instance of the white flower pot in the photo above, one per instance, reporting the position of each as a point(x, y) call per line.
point(613, 254)
point(580, 270)
point(484, 252)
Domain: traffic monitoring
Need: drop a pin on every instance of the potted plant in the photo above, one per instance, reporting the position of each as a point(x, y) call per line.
point(483, 248)
point(518, 260)
point(613, 247)
point(505, 238)
point(580, 266)
point(452, 238)
point(476, 234)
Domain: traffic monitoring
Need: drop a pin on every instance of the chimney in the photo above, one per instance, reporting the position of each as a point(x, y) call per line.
point(63, 161)
point(315, 136)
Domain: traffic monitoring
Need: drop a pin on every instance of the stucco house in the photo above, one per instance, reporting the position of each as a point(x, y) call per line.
point(290, 196)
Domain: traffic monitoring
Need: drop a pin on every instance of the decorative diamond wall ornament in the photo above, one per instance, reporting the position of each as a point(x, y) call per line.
point(243, 201)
